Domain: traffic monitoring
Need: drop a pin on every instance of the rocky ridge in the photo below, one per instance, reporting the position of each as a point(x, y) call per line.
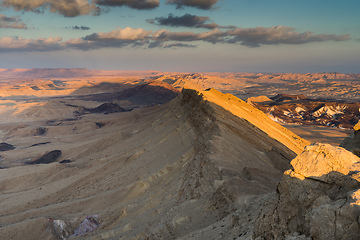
point(160, 172)
point(319, 198)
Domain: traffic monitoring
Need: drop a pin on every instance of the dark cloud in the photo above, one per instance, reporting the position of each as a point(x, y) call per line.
point(129, 37)
point(79, 27)
point(136, 4)
point(187, 20)
point(177, 45)
point(11, 22)
point(201, 4)
point(160, 44)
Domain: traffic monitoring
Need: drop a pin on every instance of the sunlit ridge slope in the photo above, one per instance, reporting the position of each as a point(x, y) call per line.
point(243, 110)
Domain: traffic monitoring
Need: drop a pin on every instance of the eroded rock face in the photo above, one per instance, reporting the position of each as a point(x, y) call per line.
point(302, 110)
point(318, 199)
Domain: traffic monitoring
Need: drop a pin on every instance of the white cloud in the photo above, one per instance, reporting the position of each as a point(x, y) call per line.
point(122, 34)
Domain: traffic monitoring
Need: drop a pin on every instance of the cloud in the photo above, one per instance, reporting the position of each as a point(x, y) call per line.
point(254, 37)
point(18, 44)
point(120, 34)
point(129, 37)
point(201, 4)
point(176, 45)
point(11, 22)
point(187, 20)
point(73, 8)
point(67, 8)
point(160, 44)
point(79, 27)
point(136, 4)
point(116, 39)
point(213, 36)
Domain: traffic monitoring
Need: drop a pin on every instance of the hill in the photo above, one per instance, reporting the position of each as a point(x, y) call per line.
point(161, 172)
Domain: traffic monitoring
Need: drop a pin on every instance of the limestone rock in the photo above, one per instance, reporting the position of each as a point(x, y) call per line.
point(318, 198)
point(322, 161)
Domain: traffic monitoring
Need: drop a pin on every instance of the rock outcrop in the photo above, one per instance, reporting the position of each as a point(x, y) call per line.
point(318, 199)
point(6, 147)
point(49, 157)
point(299, 109)
point(106, 108)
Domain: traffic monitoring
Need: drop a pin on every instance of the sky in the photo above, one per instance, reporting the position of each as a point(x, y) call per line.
point(182, 35)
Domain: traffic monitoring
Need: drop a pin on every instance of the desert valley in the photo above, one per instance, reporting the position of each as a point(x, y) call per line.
point(90, 154)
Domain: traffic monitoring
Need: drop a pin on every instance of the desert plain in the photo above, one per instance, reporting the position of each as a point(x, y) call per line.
point(90, 154)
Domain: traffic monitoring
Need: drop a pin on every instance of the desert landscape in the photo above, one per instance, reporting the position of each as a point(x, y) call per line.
point(179, 119)
point(90, 154)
